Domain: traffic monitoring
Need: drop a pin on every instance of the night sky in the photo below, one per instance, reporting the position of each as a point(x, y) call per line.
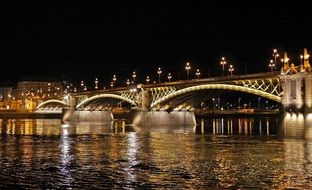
point(80, 41)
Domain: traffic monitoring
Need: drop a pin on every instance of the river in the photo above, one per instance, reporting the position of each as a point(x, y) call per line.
point(218, 153)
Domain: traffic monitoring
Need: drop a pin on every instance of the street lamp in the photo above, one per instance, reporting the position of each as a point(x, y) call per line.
point(197, 73)
point(275, 55)
point(133, 76)
point(96, 83)
point(223, 62)
point(147, 79)
point(231, 69)
point(169, 77)
point(128, 82)
point(112, 84)
point(272, 65)
point(301, 60)
point(81, 84)
point(188, 67)
point(259, 99)
point(114, 79)
point(159, 72)
point(282, 61)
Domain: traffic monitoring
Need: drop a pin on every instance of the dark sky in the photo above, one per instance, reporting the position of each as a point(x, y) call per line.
point(81, 41)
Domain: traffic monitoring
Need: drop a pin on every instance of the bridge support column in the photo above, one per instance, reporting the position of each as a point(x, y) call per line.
point(296, 119)
point(72, 115)
point(162, 118)
point(293, 98)
point(308, 93)
point(146, 99)
point(67, 112)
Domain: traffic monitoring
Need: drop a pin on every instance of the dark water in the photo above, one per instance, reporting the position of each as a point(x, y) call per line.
point(250, 153)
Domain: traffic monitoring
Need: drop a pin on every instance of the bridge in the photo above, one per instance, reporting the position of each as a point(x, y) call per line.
point(291, 88)
point(179, 95)
point(290, 91)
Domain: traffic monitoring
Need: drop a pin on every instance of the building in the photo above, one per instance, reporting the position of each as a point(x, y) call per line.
point(28, 94)
point(5, 97)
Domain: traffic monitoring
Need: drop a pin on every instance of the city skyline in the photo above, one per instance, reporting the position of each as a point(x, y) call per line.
point(83, 41)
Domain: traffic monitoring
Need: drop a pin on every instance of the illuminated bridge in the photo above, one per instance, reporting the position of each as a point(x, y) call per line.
point(292, 90)
point(179, 95)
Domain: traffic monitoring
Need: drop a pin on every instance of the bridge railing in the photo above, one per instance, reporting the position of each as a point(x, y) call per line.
point(182, 82)
point(214, 79)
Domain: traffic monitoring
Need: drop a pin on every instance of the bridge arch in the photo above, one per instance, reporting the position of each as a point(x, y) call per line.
point(217, 87)
point(53, 101)
point(113, 96)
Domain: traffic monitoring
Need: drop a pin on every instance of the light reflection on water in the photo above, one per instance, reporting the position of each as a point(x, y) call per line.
point(218, 153)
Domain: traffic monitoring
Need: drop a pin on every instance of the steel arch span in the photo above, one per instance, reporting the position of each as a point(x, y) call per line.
point(217, 87)
point(113, 96)
point(53, 101)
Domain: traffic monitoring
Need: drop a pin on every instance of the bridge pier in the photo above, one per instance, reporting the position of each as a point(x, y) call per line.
point(297, 92)
point(72, 115)
point(68, 112)
point(140, 117)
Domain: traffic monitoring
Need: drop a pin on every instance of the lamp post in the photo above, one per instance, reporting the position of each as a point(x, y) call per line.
point(169, 77)
point(231, 69)
point(81, 84)
point(112, 84)
point(114, 79)
point(197, 73)
point(188, 67)
point(259, 99)
point(275, 55)
point(301, 60)
point(133, 76)
point(159, 73)
point(96, 84)
point(147, 79)
point(271, 65)
point(128, 82)
point(223, 62)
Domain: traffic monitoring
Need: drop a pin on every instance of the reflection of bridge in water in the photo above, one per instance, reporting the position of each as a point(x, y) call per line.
point(169, 102)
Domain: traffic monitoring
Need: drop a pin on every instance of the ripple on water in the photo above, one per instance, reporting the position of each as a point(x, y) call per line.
point(52, 159)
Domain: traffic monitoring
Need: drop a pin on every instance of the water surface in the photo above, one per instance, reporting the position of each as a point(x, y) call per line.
point(218, 153)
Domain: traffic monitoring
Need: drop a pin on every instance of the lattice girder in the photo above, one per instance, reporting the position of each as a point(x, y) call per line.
point(158, 93)
point(269, 85)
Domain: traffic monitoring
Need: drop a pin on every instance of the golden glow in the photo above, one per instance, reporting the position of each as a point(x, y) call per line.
point(51, 101)
point(114, 96)
point(217, 86)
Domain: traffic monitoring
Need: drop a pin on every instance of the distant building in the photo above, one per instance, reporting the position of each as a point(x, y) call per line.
point(28, 94)
point(38, 90)
point(5, 97)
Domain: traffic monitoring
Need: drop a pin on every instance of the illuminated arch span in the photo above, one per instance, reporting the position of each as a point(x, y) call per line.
point(114, 96)
point(217, 87)
point(52, 101)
